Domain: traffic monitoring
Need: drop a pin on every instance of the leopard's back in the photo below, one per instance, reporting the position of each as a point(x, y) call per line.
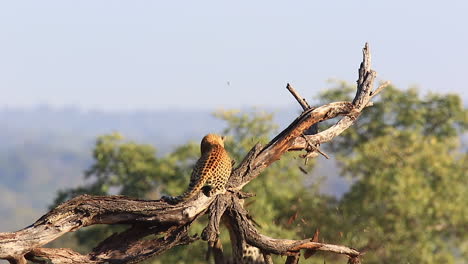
point(211, 172)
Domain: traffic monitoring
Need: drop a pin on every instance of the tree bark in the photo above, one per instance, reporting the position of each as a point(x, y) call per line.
point(148, 218)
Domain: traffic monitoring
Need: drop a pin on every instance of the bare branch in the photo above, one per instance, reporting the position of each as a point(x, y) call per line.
point(299, 98)
point(156, 226)
point(58, 255)
point(311, 148)
point(380, 88)
point(150, 216)
point(243, 226)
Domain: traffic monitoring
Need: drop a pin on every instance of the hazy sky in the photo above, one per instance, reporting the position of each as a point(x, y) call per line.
point(116, 55)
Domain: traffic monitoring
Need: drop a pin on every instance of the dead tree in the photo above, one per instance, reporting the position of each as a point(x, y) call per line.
point(156, 226)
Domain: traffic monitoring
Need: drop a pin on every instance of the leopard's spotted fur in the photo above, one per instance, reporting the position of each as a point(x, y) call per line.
point(211, 171)
point(252, 255)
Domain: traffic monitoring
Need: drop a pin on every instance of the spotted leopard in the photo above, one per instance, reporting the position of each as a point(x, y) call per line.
point(211, 172)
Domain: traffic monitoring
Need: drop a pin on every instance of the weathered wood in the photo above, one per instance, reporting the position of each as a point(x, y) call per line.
point(302, 101)
point(147, 217)
point(172, 222)
point(243, 227)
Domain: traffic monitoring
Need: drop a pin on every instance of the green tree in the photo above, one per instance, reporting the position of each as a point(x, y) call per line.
point(407, 202)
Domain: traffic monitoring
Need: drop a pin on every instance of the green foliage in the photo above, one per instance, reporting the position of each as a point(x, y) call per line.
point(408, 200)
point(406, 204)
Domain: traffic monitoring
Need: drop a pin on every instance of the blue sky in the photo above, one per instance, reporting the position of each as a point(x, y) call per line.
point(121, 55)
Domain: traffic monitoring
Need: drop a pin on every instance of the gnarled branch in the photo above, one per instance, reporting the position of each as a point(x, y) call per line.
point(155, 226)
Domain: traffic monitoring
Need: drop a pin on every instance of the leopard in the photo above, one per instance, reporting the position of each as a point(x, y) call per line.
point(210, 173)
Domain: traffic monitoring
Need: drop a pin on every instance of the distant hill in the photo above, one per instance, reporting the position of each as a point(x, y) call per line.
point(45, 149)
point(56, 126)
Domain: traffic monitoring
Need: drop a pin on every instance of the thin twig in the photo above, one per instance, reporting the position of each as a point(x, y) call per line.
point(380, 88)
point(314, 148)
point(299, 98)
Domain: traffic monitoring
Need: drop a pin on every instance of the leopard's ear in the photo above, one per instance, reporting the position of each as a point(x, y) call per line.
point(223, 138)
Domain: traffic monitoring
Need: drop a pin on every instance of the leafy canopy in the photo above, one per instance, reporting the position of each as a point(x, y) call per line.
point(406, 202)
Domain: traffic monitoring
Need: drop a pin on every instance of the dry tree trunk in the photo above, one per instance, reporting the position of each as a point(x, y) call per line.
point(172, 222)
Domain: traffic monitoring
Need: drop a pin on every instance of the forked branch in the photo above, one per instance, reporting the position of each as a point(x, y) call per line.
point(155, 226)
